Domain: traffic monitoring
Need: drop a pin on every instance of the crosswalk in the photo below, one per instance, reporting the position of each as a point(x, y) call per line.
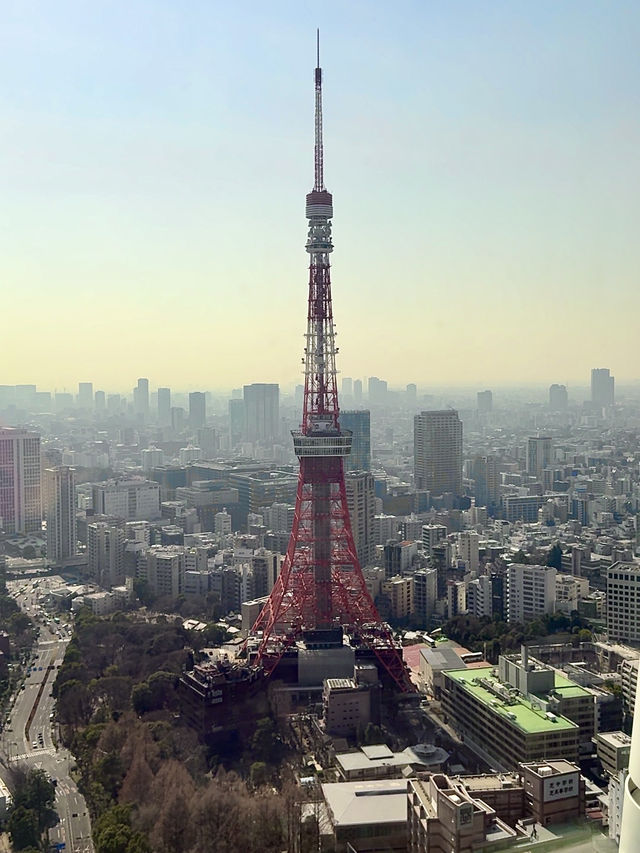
point(46, 750)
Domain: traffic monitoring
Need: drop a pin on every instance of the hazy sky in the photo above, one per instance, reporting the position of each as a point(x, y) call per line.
point(154, 159)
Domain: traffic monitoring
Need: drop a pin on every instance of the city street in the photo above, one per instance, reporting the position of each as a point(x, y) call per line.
point(28, 735)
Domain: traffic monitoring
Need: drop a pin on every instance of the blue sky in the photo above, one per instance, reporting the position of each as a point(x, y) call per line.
point(154, 159)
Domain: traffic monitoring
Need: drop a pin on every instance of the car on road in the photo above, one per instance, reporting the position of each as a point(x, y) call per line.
point(35, 744)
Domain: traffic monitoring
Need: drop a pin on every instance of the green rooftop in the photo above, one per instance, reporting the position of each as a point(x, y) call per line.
point(527, 718)
point(568, 688)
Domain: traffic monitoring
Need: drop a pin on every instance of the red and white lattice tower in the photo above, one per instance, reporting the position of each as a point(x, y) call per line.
point(321, 589)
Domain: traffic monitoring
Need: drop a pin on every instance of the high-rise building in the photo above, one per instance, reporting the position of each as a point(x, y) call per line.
point(357, 390)
point(623, 603)
point(359, 424)
point(164, 406)
point(530, 592)
point(558, 398)
point(85, 395)
point(100, 401)
point(485, 401)
point(630, 824)
point(131, 499)
point(262, 411)
point(485, 471)
point(105, 553)
point(361, 500)
point(141, 398)
point(480, 597)
point(437, 448)
point(197, 409)
point(539, 454)
point(469, 550)
point(347, 386)
point(20, 497)
point(60, 513)
point(377, 391)
point(411, 392)
point(602, 387)
point(236, 421)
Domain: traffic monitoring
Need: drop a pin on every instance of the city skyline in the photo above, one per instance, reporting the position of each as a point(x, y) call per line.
point(496, 147)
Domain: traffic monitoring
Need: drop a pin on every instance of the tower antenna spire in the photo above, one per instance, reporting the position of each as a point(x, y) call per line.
point(319, 166)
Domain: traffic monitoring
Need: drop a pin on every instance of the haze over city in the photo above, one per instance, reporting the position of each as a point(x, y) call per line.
point(482, 158)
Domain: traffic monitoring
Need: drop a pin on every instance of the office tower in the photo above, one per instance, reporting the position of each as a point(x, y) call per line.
point(602, 387)
point(105, 554)
point(63, 401)
point(262, 411)
point(141, 398)
point(485, 471)
point(207, 441)
point(558, 398)
point(236, 421)
point(377, 391)
point(132, 500)
point(60, 513)
point(357, 390)
point(114, 403)
point(347, 386)
point(539, 454)
point(432, 535)
point(361, 500)
point(177, 418)
point(358, 422)
point(530, 592)
point(25, 396)
point(197, 409)
point(321, 591)
point(100, 402)
point(425, 592)
point(469, 550)
point(411, 394)
point(437, 450)
point(85, 395)
point(485, 401)
point(164, 406)
point(623, 603)
point(20, 498)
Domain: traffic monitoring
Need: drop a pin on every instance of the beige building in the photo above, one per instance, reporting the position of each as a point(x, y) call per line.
point(399, 592)
point(346, 705)
point(361, 500)
point(20, 498)
point(613, 749)
point(554, 791)
point(437, 446)
point(60, 513)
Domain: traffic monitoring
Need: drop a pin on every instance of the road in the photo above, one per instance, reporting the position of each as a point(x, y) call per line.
point(28, 736)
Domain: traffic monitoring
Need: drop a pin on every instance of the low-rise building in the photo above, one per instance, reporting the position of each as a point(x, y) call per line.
point(379, 762)
point(371, 816)
point(613, 748)
point(554, 791)
point(346, 705)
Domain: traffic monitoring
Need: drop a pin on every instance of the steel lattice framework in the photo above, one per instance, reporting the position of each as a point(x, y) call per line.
point(321, 585)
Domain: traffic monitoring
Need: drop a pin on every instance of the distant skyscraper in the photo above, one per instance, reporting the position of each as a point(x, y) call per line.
point(164, 406)
point(20, 498)
point(485, 472)
point(437, 449)
point(197, 409)
point(357, 390)
point(141, 398)
point(236, 421)
point(412, 394)
point(60, 512)
point(539, 454)
point(105, 553)
point(602, 387)
point(85, 395)
point(100, 401)
point(558, 398)
point(347, 386)
point(377, 390)
point(359, 423)
point(262, 411)
point(485, 401)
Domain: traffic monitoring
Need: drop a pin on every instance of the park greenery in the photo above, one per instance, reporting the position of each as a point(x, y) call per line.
point(149, 782)
point(32, 811)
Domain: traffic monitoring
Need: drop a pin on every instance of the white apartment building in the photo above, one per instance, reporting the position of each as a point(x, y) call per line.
point(469, 550)
point(479, 597)
point(530, 592)
point(133, 499)
point(569, 591)
point(60, 513)
point(623, 603)
point(165, 569)
point(151, 457)
point(20, 498)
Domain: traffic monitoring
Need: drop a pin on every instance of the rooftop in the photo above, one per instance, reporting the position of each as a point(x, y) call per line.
point(519, 712)
point(362, 803)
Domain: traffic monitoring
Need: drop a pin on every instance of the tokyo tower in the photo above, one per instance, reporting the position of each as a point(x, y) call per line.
point(320, 593)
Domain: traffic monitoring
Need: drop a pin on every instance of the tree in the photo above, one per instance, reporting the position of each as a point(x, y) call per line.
point(23, 828)
point(554, 557)
point(258, 774)
point(263, 742)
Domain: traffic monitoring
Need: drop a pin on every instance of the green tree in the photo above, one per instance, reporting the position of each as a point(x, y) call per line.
point(263, 742)
point(23, 828)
